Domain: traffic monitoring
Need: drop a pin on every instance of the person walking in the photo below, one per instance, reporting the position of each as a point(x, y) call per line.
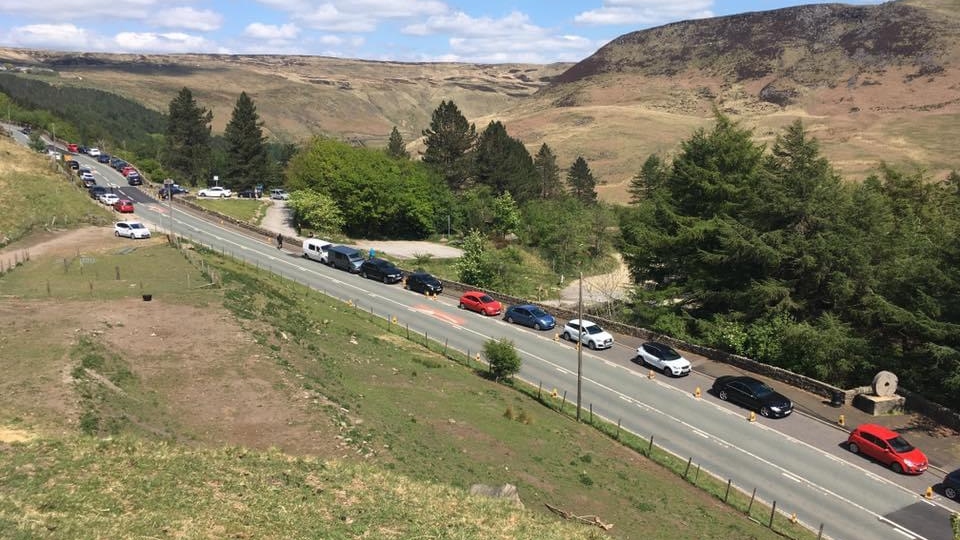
point(279, 240)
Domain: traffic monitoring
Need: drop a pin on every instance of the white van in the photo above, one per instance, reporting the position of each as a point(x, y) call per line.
point(316, 249)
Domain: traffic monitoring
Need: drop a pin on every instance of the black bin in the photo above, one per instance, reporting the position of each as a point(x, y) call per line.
point(837, 398)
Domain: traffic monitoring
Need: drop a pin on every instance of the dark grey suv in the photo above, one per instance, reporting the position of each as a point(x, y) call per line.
point(380, 270)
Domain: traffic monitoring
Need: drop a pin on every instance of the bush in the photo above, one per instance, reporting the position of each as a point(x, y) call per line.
point(503, 358)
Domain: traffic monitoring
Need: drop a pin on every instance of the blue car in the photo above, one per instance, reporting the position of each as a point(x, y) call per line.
point(529, 315)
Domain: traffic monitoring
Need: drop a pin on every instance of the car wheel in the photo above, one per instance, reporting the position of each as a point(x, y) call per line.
point(853, 448)
point(765, 412)
point(385, 280)
point(723, 395)
point(222, 196)
point(116, 233)
point(896, 467)
point(509, 319)
point(363, 275)
point(461, 306)
point(592, 345)
point(666, 371)
point(950, 492)
point(566, 336)
point(537, 327)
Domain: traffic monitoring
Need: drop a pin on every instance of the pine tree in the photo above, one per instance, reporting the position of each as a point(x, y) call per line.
point(449, 140)
point(548, 173)
point(581, 181)
point(187, 150)
point(504, 164)
point(396, 147)
point(247, 163)
point(652, 175)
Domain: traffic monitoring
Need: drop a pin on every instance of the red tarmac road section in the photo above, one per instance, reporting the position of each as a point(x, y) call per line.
point(433, 312)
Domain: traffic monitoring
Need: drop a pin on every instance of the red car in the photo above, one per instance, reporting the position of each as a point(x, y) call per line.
point(124, 206)
point(887, 447)
point(72, 148)
point(481, 303)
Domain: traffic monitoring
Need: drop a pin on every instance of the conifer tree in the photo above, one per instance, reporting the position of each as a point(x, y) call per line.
point(504, 164)
point(548, 173)
point(652, 174)
point(581, 181)
point(449, 140)
point(396, 147)
point(246, 153)
point(187, 150)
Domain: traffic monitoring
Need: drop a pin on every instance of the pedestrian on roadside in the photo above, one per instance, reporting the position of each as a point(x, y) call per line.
point(279, 240)
point(373, 253)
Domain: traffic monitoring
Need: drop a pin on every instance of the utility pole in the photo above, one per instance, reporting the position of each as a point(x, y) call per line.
point(580, 345)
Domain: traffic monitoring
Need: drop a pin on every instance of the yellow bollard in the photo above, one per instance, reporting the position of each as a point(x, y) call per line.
point(350, 303)
point(793, 518)
point(651, 375)
point(929, 493)
point(478, 357)
point(393, 320)
point(556, 337)
point(752, 417)
point(696, 393)
point(842, 421)
point(554, 394)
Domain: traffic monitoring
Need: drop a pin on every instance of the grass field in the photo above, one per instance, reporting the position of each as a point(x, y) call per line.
point(409, 414)
point(249, 210)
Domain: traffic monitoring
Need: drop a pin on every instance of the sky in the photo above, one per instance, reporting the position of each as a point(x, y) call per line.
point(482, 31)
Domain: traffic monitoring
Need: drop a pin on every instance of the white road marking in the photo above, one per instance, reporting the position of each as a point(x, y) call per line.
point(792, 477)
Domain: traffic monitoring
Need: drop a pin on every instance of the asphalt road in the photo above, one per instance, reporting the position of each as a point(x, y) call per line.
point(797, 461)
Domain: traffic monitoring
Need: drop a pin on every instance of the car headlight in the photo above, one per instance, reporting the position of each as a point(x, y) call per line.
point(776, 409)
point(910, 463)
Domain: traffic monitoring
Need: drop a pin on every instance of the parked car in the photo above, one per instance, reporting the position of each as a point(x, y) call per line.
point(380, 270)
point(72, 147)
point(82, 149)
point(93, 152)
point(124, 206)
point(131, 229)
point(480, 302)
point(589, 332)
point(96, 191)
point(752, 394)
point(529, 315)
point(249, 194)
point(109, 199)
point(662, 357)
point(134, 179)
point(279, 194)
point(951, 484)
point(126, 170)
point(117, 163)
point(315, 249)
point(345, 258)
point(423, 283)
point(74, 164)
point(887, 447)
point(82, 170)
point(215, 191)
point(103, 158)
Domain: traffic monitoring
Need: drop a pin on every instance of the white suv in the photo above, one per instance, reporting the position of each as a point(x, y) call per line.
point(131, 229)
point(590, 334)
point(664, 358)
point(279, 194)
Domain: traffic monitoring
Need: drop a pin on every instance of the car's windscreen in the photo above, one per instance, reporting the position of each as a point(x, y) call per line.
point(759, 389)
point(900, 445)
point(486, 299)
point(537, 312)
point(669, 354)
point(593, 329)
point(356, 258)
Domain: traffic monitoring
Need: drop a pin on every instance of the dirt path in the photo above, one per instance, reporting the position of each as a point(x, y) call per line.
point(596, 289)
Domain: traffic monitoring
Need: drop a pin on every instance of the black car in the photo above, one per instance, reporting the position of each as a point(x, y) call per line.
point(97, 191)
point(134, 179)
point(752, 394)
point(424, 283)
point(82, 149)
point(104, 158)
point(951, 485)
point(381, 270)
point(74, 164)
point(249, 194)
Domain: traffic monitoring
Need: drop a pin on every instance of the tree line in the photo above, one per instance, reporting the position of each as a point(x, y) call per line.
point(770, 254)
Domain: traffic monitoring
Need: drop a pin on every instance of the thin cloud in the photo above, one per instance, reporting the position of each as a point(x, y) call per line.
point(58, 36)
point(188, 18)
point(271, 31)
point(169, 42)
point(353, 16)
point(81, 9)
point(644, 12)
